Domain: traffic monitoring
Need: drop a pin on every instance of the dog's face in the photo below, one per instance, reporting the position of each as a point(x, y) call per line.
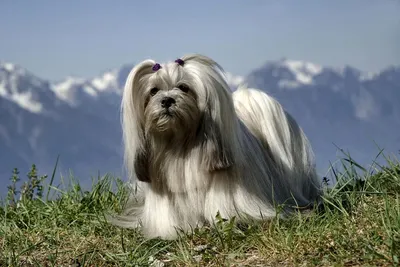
point(172, 101)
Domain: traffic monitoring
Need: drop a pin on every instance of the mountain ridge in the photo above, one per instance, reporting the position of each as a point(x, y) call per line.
point(78, 118)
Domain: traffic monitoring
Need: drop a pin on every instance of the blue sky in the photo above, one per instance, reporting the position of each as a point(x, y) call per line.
point(83, 38)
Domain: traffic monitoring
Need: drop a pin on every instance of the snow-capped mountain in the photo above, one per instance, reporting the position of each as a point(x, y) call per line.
point(43, 124)
point(342, 107)
point(78, 118)
point(75, 90)
point(24, 89)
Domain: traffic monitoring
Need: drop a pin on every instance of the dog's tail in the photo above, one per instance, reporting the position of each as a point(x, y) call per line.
point(279, 132)
point(132, 208)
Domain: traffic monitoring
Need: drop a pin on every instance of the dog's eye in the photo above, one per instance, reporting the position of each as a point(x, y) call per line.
point(183, 88)
point(154, 91)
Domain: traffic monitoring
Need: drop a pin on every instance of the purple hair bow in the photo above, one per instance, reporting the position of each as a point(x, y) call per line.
point(180, 62)
point(156, 67)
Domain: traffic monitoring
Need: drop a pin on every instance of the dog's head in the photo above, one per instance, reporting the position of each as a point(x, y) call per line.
point(187, 101)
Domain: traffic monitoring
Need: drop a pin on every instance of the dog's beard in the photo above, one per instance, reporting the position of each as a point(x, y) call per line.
point(180, 119)
point(164, 120)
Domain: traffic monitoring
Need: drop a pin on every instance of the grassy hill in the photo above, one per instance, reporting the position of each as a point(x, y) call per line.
point(359, 225)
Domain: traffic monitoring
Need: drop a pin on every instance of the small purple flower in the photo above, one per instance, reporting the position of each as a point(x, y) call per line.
point(180, 62)
point(156, 67)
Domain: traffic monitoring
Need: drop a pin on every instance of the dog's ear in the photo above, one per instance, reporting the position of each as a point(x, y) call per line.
point(219, 124)
point(216, 152)
point(132, 109)
point(132, 98)
point(141, 165)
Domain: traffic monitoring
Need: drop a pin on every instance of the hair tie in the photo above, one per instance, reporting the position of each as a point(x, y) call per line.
point(180, 62)
point(156, 67)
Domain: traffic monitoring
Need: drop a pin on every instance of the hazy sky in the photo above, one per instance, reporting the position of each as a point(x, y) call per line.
point(83, 38)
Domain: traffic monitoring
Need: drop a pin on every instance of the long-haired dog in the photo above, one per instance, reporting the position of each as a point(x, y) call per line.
point(193, 149)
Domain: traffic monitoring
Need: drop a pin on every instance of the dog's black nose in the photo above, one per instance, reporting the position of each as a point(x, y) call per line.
point(166, 102)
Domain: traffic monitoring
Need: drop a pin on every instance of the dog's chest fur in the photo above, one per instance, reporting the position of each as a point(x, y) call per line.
point(178, 174)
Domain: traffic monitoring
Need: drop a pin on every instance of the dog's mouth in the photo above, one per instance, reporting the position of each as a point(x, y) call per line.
point(168, 113)
point(165, 118)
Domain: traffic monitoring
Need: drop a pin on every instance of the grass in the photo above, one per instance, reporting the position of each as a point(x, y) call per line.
point(359, 225)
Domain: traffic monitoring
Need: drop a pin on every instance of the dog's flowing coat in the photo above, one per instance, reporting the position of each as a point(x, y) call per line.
point(193, 148)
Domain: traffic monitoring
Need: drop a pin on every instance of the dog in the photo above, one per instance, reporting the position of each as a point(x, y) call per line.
point(193, 149)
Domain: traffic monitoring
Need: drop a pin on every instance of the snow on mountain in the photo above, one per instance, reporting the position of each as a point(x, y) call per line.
point(302, 73)
point(26, 90)
point(67, 89)
point(107, 81)
point(72, 90)
point(12, 81)
point(292, 74)
point(105, 87)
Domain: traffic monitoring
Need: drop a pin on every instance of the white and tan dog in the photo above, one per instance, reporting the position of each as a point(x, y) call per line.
point(192, 149)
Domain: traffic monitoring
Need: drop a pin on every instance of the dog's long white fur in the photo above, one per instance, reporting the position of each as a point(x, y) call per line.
point(265, 157)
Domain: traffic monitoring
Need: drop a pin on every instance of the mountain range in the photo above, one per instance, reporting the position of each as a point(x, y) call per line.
point(78, 118)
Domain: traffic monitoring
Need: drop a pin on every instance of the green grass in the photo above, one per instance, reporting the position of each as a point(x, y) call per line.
point(359, 225)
